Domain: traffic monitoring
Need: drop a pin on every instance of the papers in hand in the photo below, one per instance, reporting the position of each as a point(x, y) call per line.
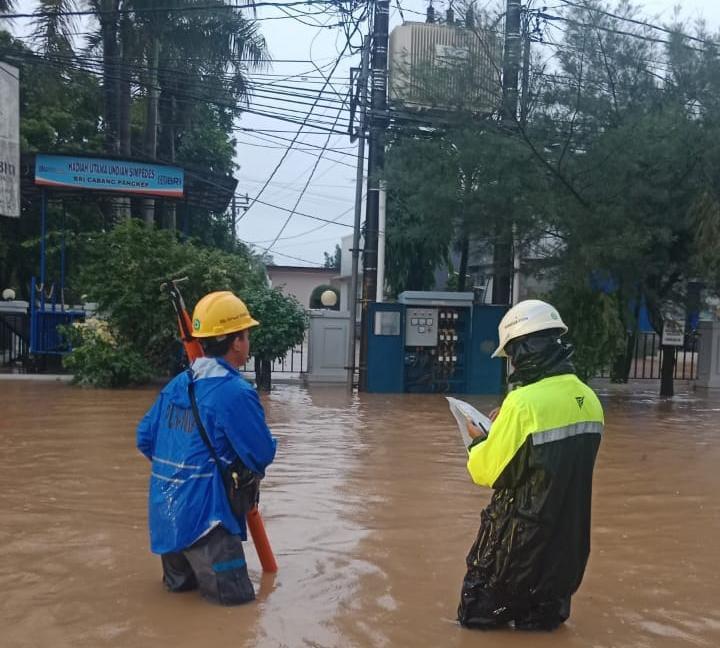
point(464, 412)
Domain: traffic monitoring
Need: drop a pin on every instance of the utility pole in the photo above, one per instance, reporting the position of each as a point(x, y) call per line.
point(234, 218)
point(376, 164)
point(511, 61)
point(382, 224)
point(503, 249)
point(524, 109)
point(241, 201)
point(525, 81)
point(353, 296)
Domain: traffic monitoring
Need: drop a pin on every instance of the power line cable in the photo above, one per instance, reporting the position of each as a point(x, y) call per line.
point(311, 150)
point(314, 241)
point(307, 184)
point(313, 264)
point(400, 9)
point(310, 231)
point(641, 23)
point(302, 214)
point(297, 135)
point(619, 32)
point(168, 9)
point(265, 136)
point(263, 91)
point(318, 123)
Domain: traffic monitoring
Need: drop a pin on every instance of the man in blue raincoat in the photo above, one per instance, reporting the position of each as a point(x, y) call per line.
point(192, 526)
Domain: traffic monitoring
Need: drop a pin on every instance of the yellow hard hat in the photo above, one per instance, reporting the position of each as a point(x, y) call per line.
point(221, 313)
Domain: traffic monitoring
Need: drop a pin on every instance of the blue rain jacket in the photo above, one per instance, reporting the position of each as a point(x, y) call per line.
point(187, 497)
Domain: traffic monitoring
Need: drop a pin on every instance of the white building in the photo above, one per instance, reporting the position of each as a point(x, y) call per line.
point(300, 281)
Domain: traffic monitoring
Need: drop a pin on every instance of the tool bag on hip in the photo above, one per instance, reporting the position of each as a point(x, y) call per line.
point(242, 485)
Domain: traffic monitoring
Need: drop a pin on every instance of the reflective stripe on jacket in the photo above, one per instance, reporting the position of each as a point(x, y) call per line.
point(186, 495)
point(534, 537)
point(549, 410)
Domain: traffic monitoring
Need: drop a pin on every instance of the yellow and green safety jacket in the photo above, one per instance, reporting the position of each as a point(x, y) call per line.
point(550, 410)
point(534, 538)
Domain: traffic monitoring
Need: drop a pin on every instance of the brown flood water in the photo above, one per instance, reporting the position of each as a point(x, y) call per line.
point(370, 512)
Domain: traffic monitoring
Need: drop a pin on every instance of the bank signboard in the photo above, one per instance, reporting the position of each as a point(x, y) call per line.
point(68, 172)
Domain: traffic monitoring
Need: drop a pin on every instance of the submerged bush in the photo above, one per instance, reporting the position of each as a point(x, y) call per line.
point(100, 360)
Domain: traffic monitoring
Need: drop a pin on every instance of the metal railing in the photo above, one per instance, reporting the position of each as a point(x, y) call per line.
point(14, 331)
point(647, 359)
point(295, 361)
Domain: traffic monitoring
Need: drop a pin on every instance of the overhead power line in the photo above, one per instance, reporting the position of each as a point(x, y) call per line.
point(307, 183)
point(282, 114)
point(302, 214)
point(171, 9)
point(263, 135)
point(610, 30)
point(305, 120)
point(266, 90)
point(313, 264)
point(335, 221)
point(640, 23)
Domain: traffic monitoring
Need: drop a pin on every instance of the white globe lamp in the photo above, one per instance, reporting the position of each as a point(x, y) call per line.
point(329, 298)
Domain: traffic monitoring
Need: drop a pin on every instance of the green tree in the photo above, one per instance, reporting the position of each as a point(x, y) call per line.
point(123, 270)
point(633, 152)
point(333, 260)
point(98, 359)
point(283, 322)
point(596, 330)
point(453, 187)
point(187, 68)
point(616, 162)
point(419, 224)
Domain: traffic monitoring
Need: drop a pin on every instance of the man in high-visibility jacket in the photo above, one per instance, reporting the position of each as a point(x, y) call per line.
point(192, 526)
point(534, 539)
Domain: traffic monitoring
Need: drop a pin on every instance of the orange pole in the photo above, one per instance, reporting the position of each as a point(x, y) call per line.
point(261, 541)
point(193, 348)
point(255, 524)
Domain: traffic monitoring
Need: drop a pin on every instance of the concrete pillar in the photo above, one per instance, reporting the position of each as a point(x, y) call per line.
point(709, 356)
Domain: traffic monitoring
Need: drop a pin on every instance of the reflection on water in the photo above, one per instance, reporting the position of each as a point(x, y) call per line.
point(370, 512)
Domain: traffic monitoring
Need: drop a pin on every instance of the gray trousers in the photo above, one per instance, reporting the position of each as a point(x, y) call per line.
point(215, 565)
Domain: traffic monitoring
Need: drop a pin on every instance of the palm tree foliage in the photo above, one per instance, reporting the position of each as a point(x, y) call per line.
point(176, 61)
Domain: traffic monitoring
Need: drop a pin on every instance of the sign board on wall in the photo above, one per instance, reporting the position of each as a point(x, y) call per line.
point(9, 141)
point(68, 172)
point(673, 332)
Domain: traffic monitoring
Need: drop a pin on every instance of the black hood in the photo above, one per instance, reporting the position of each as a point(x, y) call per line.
point(539, 356)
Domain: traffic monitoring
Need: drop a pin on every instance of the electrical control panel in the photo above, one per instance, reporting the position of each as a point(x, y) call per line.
point(430, 343)
point(440, 367)
point(421, 327)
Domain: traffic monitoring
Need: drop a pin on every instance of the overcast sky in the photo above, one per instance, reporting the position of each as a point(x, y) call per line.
point(331, 192)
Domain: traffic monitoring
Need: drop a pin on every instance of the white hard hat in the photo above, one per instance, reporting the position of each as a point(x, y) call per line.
point(527, 317)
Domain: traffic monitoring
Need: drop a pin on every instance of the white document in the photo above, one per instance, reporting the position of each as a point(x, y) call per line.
point(463, 412)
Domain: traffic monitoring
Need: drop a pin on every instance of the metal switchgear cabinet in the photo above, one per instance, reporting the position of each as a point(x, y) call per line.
point(433, 342)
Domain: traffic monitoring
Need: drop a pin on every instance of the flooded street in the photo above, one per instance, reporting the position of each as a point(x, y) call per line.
point(370, 512)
